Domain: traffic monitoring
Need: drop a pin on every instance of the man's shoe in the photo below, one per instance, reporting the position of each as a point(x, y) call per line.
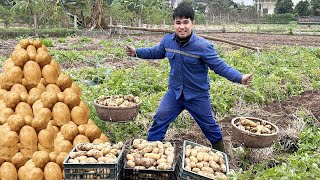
point(218, 146)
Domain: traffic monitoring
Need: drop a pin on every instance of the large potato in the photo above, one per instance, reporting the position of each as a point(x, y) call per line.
point(41, 119)
point(7, 65)
point(20, 57)
point(52, 171)
point(80, 139)
point(24, 109)
point(24, 43)
point(34, 95)
point(84, 105)
point(49, 98)
point(4, 114)
point(29, 141)
point(50, 74)
point(18, 88)
point(18, 160)
point(76, 89)
point(40, 158)
point(37, 106)
point(53, 87)
point(61, 114)
point(12, 98)
point(56, 65)
point(69, 131)
point(43, 58)
point(41, 148)
point(32, 73)
point(46, 138)
point(8, 171)
point(32, 52)
point(37, 43)
point(13, 76)
point(35, 174)
point(64, 81)
point(92, 132)
point(63, 146)
point(16, 122)
point(79, 115)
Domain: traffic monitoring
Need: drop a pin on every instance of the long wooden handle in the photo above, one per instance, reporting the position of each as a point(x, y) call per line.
point(171, 31)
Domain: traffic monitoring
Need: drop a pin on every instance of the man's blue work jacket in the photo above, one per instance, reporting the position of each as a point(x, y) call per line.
point(189, 64)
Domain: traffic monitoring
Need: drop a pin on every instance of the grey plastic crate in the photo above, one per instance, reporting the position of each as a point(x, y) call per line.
point(147, 174)
point(110, 171)
point(189, 175)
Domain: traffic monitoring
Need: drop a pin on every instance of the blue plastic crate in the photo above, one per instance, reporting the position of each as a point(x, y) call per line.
point(110, 171)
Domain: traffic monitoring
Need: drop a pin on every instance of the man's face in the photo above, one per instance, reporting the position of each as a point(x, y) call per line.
point(183, 26)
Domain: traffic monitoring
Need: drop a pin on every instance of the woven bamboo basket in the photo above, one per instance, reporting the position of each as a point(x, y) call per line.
point(254, 140)
point(116, 114)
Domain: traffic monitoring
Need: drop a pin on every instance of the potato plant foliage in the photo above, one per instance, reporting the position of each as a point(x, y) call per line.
point(278, 73)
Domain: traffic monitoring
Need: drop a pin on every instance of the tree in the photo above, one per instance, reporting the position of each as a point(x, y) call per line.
point(315, 7)
point(283, 7)
point(303, 8)
point(143, 9)
point(220, 7)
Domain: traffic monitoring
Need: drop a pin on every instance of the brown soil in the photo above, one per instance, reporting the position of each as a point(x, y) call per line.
point(281, 114)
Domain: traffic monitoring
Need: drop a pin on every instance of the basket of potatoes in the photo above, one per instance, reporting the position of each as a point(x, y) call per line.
point(117, 108)
point(150, 160)
point(199, 162)
point(94, 161)
point(254, 132)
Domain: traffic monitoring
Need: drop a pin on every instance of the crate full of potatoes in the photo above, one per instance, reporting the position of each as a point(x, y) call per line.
point(150, 160)
point(198, 162)
point(95, 161)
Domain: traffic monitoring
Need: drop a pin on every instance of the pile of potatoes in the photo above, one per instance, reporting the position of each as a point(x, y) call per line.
point(203, 161)
point(96, 153)
point(154, 155)
point(119, 100)
point(255, 127)
point(41, 115)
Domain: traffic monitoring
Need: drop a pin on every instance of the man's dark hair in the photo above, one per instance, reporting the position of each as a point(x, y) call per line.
point(184, 10)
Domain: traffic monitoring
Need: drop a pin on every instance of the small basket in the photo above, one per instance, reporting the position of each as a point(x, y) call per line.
point(91, 171)
point(251, 139)
point(117, 114)
point(184, 174)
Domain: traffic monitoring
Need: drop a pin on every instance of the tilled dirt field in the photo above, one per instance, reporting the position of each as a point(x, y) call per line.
point(261, 41)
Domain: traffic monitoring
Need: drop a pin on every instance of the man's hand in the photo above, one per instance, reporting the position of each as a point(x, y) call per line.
point(246, 79)
point(130, 51)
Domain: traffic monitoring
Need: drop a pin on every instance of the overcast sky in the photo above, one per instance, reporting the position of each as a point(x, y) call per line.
point(245, 2)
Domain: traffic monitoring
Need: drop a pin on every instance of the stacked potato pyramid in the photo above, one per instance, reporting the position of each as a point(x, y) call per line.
point(41, 115)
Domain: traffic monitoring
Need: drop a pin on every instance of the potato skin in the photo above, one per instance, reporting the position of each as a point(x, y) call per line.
point(50, 74)
point(52, 171)
point(40, 158)
point(8, 171)
point(61, 113)
point(79, 115)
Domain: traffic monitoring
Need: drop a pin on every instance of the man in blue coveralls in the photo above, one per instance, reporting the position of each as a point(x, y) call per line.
point(190, 56)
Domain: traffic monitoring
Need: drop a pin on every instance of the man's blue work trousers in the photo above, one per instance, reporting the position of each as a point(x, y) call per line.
point(170, 108)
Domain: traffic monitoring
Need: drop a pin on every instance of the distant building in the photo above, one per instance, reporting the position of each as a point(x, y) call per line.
point(175, 3)
point(267, 6)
